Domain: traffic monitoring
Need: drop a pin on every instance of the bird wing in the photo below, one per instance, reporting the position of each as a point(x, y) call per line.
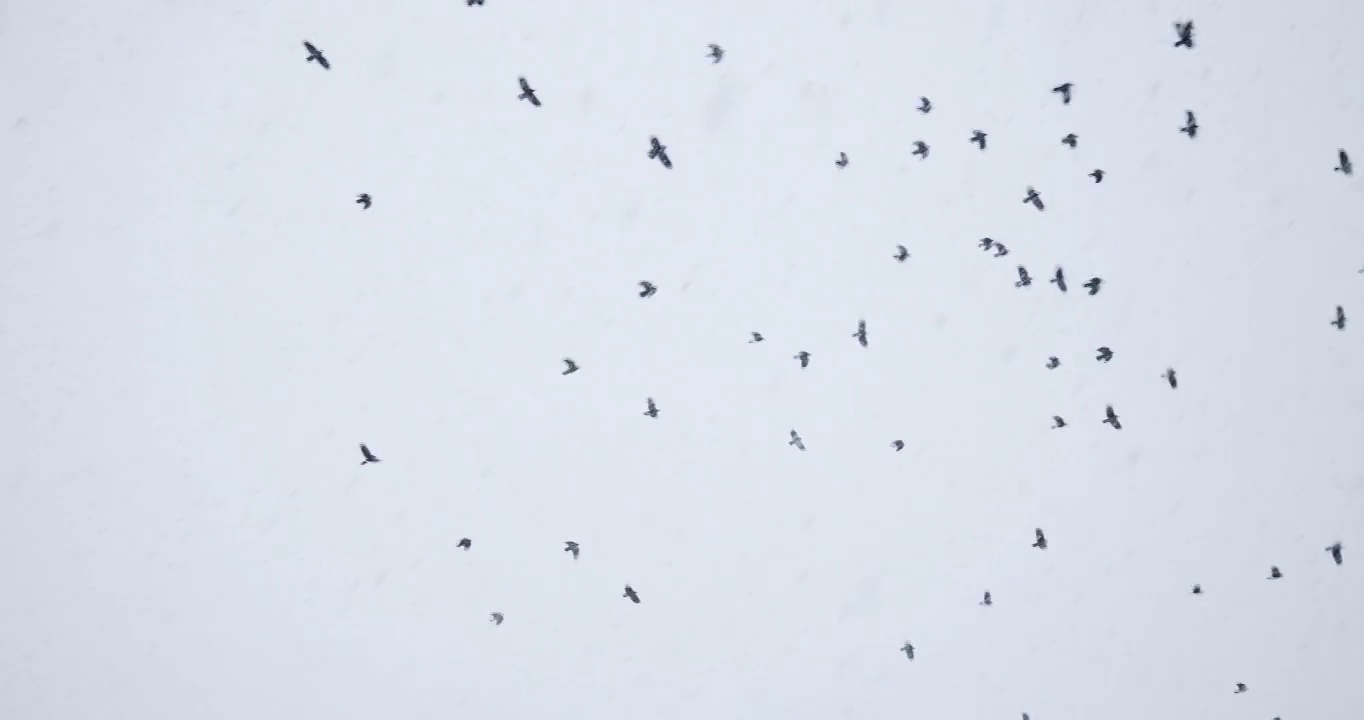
point(525, 86)
point(364, 450)
point(663, 158)
point(312, 49)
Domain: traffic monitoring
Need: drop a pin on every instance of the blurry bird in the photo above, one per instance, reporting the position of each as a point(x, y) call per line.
point(1240, 688)
point(716, 54)
point(1025, 716)
point(803, 357)
point(630, 593)
point(570, 367)
point(796, 441)
point(1041, 543)
point(924, 105)
point(1111, 418)
point(755, 337)
point(646, 288)
point(921, 149)
point(1345, 167)
point(861, 333)
point(1057, 422)
point(1093, 285)
point(369, 456)
point(986, 244)
point(1034, 198)
point(653, 409)
point(1024, 279)
point(315, 55)
point(1059, 279)
point(363, 200)
point(1053, 362)
point(1335, 553)
point(1185, 30)
point(1197, 589)
point(987, 601)
point(1190, 125)
point(1339, 322)
point(497, 618)
point(842, 160)
point(978, 138)
point(898, 445)
point(1000, 250)
point(527, 93)
point(1169, 376)
point(472, 3)
point(1070, 140)
point(901, 253)
point(1104, 355)
point(1098, 176)
point(1274, 573)
point(660, 151)
point(908, 650)
point(1064, 89)
point(465, 543)
point(571, 547)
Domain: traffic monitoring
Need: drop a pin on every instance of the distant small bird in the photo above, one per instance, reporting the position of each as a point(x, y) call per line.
point(842, 160)
point(861, 333)
point(1240, 688)
point(908, 650)
point(315, 55)
point(986, 243)
point(1059, 279)
point(796, 441)
point(571, 547)
point(472, 3)
point(465, 543)
point(1057, 422)
point(1345, 167)
point(803, 357)
point(978, 138)
point(1339, 322)
point(570, 367)
point(364, 201)
point(1064, 90)
point(1001, 250)
point(1169, 376)
point(755, 337)
point(901, 253)
point(1053, 362)
point(369, 456)
point(1070, 140)
point(1041, 543)
point(528, 93)
point(898, 445)
point(1190, 125)
point(716, 53)
point(1024, 279)
point(1093, 285)
point(1105, 354)
point(1098, 176)
point(630, 593)
point(924, 105)
point(1335, 553)
point(646, 289)
point(1185, 30)
point(1274, 573)
point(1034, 198)
point(1111, 418)
point(660, 151)
point(497, 616)
point(920, 149)
point(1197, 589)
point(653, 409)
point(987, 601)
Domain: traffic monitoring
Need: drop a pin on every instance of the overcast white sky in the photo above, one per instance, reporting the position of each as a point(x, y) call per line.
point(197, 326)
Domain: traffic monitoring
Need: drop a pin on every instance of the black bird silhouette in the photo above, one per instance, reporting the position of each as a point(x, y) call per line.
point(755, 337)
point(1053, 362)
point(472, 3)
point(1335, 553)
point(1064, 89)
point(901, 253)
point(921, 149)
point(1041, 543)
point(1024, 279)
point(804, 358)
point(571, 547)
point(1098, 176)
point(1339, 322)
point(527, 93)
point(1057, 422)
point(796, 441)
point(924, 105)
point(570, 367)
point(716, 54)
point(1274, 573)
point(1185, 30)
point(369, 456)
point(908, 650)
point(1240, 688)
point(861, 333)
point(986, 243)
point(842, 160)
point(1190, 125)
point(978, 138)
point(1070, 140)
point(1104, 354)
point(898, 445)
point(1093, 285)
point(1345, 167)
point(630, 593)
point(465, 543)
point(1059, 279)
point(364, 201)
point(315, 55)
point(1197, 589)
point(653, 409)
point(646, 288)
point(1111, 418)
point(497, 617)
point(1034, 198)
point(987, 601)
point(1169, 376)
point(660, 151)
point(1001, 250)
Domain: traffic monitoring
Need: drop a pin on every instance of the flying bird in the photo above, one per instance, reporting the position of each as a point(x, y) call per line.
point(1111, 418)
point(1059, 279)
point(1240, 688)
point(842, 160)
point(1053, 362)
point(369, 456)
point(1034, 198)
point(1041, 543)
point(756, 337)
point(986, 243)
point(1093, 285)
point(908, 650)
point(570, 367)
point(1197, 589)
point(1098, 176)
point(1335, 553)
point(1057, 422)
point(364, 201)
point(898, 445)
point(1104, 355)
point(1024, 279)
point(1064, 90)
point(660, 151)
point(1070, 140)
point(315, 55)
point(1185, 30)
point(861, 333)
point(527, 93)
point(1274, 573)
point(653, 409)
point(646, 289)
point(803, 357)
point(497, 616)
point(716, 53)
point(571, 547)
point(1339, 322)
point(1190, 125)
point(472, 3)
point(901, 253)
point(630, 593)
point(1169, 376)
point(987, 601)
point(465, 543)
point(978, 138)
point(920, 149)
point(1345, 167)
point(796, 441)
point(1000, 250)
point(924, 105)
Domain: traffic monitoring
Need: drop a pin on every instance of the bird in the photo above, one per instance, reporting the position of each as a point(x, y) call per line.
point(497, 618)
point(1240, 688)
point(369, 456)
point(1335, 553)
point(1169, 376)
point(987, 601)
point(1197, 589)
point(978, 138)
point(1274, 573)
point(630, 593)
point(363, 200)
point(646, 288)
point(315, 55)
point(898, 445)
point(571, 547)
point(920, 149)
point(465, 543)
point(901, 253)
point(570, 367)
point(1041, 543)
point(1104, 355)
point(1185, 30)
point(908, 650)
point(1057, 422)
point(861, 333)
point(1190, 125)
point(986, 243)
point(1111, 418)
point(716, 53)
point(1093, 285)
point(1053, 362)
point(1345, 167)
point(660, 151)
point(527, 93)
point(842, 160)
point(1034, 198)
point(1001, 250)
point(803, 357)
point(1024, 279)
point(472, 3)
point(1339, 322)
point(653, 409)
point(1070, 140)
point(796, 441)
point(1064, 90)
point(924, 105)
point(755, 337)
point(1098, 176)
point(1059, 279)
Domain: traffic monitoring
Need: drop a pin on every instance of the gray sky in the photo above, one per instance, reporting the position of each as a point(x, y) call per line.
point(198, 327)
